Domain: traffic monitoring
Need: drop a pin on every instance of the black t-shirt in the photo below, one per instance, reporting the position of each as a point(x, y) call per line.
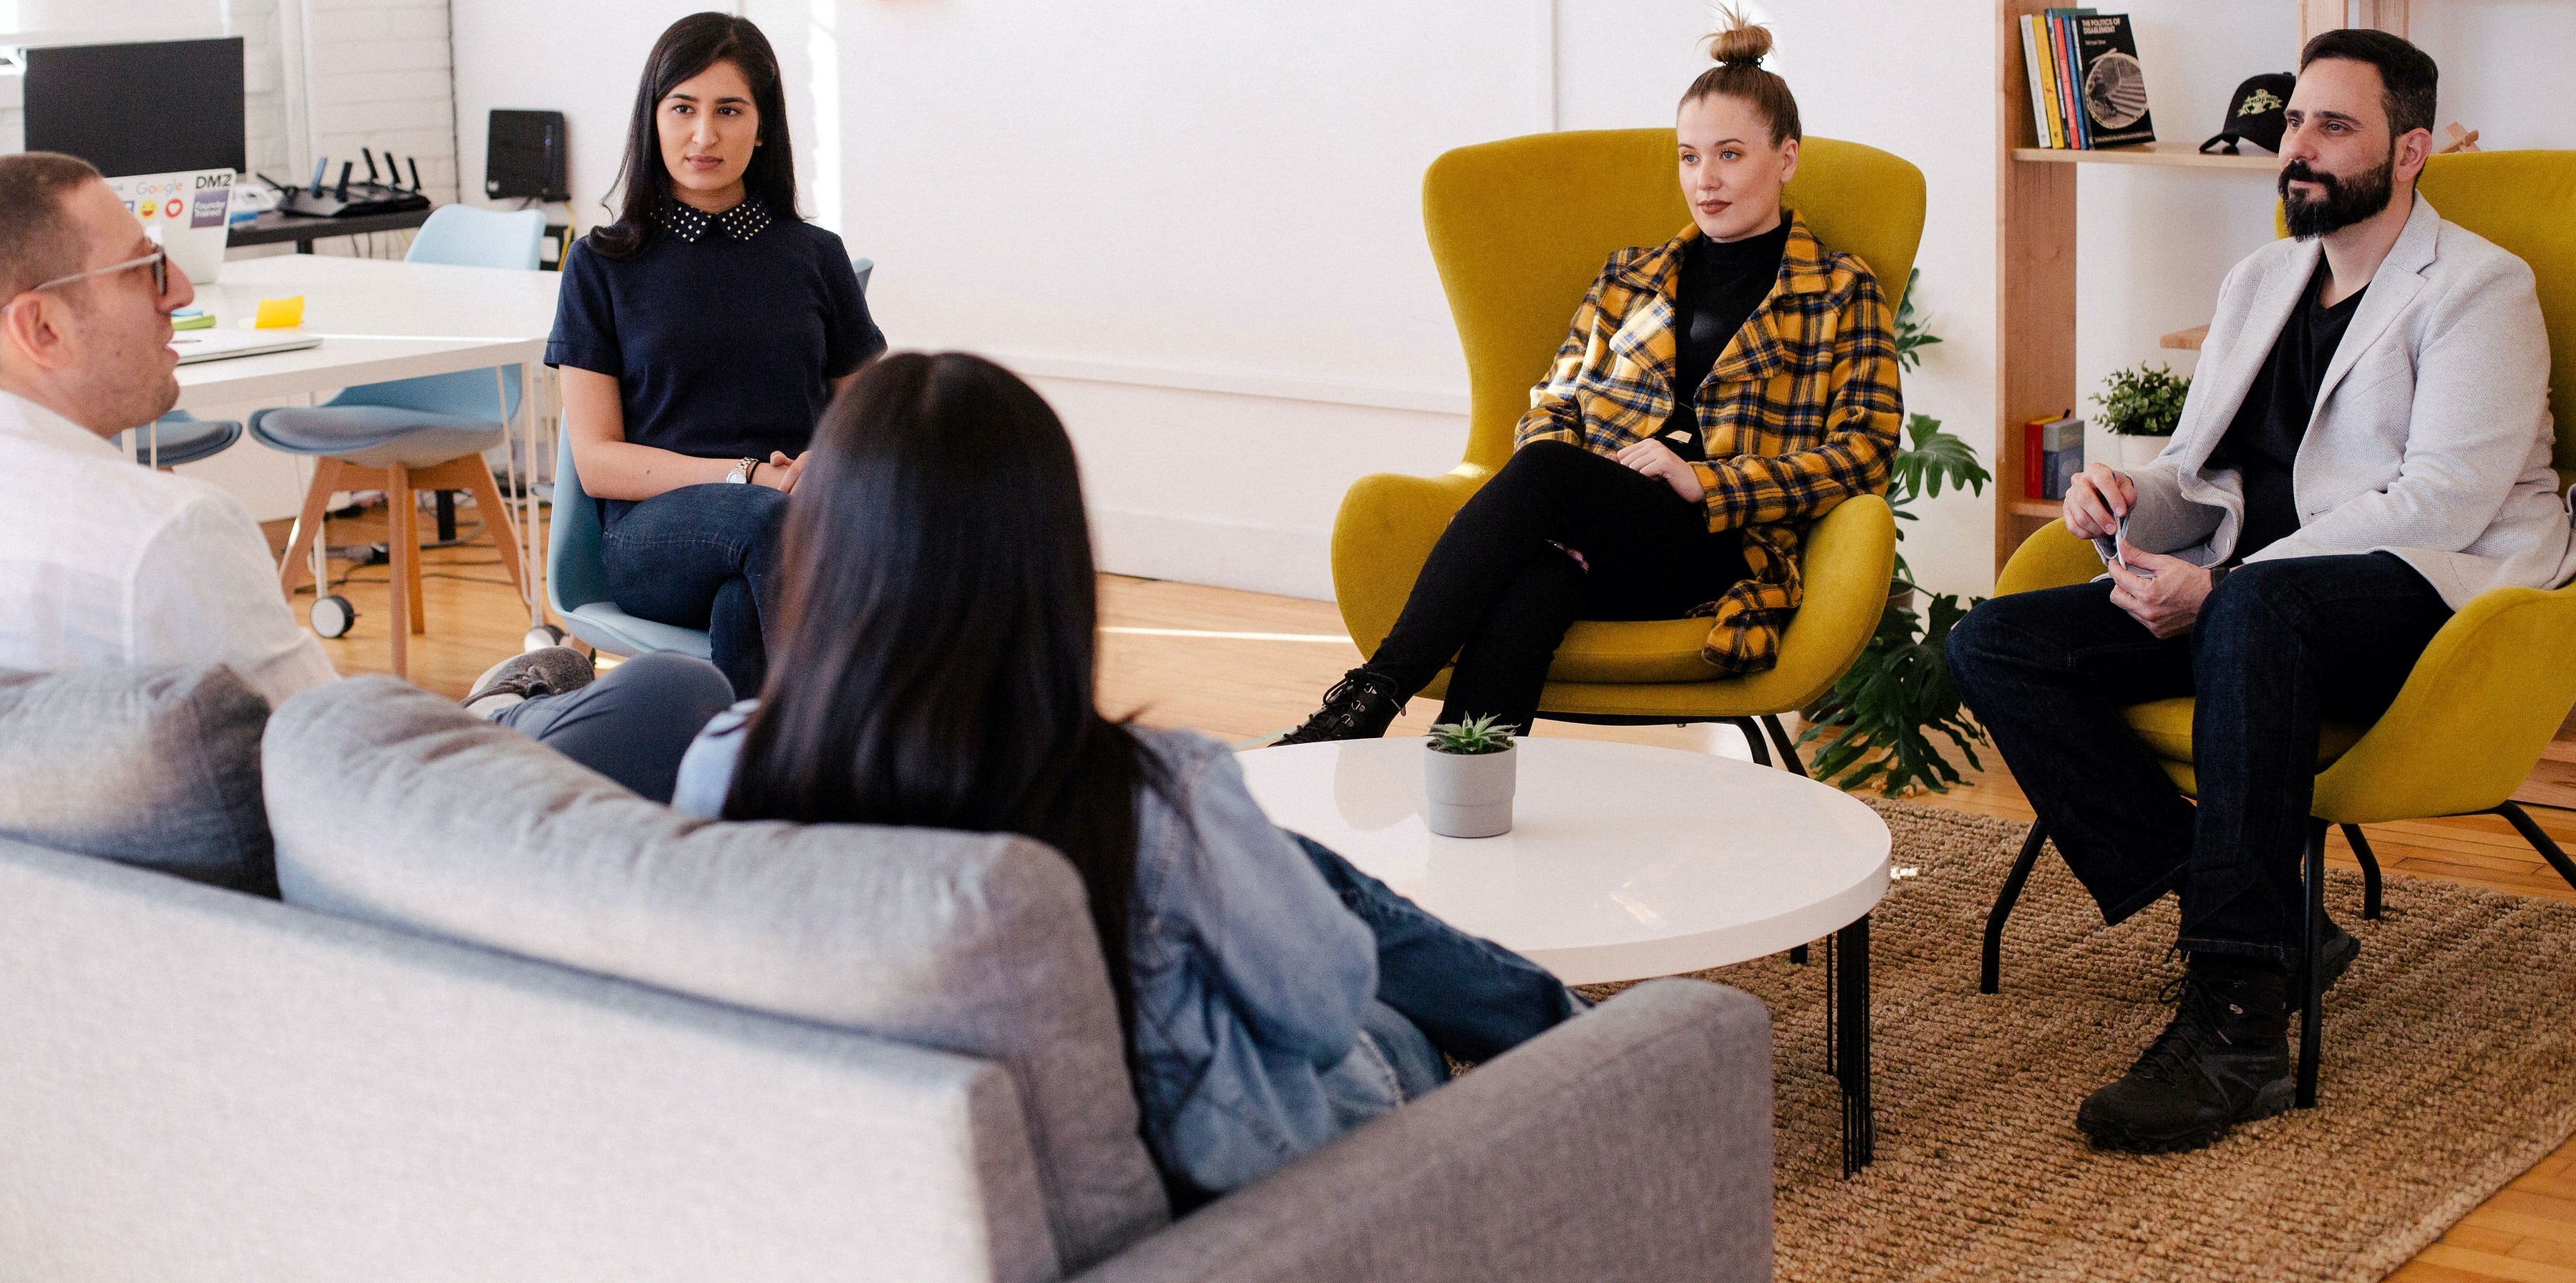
point(1721, 283)
point(722, 331)
point(2263, 441)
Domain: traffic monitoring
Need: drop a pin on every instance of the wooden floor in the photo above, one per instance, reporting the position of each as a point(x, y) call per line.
point(1241, 665)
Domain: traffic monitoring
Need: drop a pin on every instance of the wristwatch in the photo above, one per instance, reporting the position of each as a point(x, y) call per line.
point(2217, 573)
point(742, 470)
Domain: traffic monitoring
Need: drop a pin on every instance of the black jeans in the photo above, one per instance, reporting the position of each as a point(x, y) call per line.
point(1559, 534)
point(702, 557)
point(2280, 646)
point(634, 723)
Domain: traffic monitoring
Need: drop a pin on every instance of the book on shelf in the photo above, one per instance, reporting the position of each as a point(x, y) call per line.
point(2052, 455)
point(2111, 84)
point(2044, 125)
point(2061, 43)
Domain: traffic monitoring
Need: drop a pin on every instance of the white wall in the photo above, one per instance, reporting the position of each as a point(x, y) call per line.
point(1198, 229)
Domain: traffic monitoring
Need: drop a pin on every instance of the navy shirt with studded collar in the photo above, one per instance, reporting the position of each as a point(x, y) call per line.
point(722, 331)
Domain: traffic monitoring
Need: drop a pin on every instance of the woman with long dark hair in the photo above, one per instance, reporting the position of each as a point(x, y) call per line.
point(699, 336)
point(935, 661)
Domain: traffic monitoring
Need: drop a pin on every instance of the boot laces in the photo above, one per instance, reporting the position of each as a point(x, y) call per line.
point(2194, 1033)
point(1344, 703)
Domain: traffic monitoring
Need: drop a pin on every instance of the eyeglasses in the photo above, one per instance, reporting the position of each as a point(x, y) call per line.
point(159, 260)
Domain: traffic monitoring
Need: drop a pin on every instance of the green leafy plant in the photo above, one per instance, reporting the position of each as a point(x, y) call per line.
point(2142, 402)
point(1878, 722)
point(1471, 735)
point(1913, 331)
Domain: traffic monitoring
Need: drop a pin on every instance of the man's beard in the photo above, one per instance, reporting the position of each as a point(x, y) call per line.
point(2346, 201)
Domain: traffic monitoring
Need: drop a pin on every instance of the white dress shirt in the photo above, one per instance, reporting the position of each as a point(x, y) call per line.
point(106, 562)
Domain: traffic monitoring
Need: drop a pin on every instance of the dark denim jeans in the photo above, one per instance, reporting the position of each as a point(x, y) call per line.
point(632, 725)
point(702, 557)
point(2280, 647)
point(1472, 998)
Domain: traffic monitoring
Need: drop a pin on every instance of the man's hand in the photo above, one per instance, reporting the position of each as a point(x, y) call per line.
point(780, 473)
point(2096, 501)
point(2168, 604)
point(1656, 459)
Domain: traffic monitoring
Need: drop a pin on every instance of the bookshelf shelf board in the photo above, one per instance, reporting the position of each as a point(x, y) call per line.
point(2183, 155)
point(2185, 340)
point(2035, 509)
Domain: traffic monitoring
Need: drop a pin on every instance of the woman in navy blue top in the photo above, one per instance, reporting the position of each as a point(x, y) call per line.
point(699, 337)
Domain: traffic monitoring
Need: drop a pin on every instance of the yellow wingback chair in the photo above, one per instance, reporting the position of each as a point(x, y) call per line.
point(1519, 229)
point(2491, 689)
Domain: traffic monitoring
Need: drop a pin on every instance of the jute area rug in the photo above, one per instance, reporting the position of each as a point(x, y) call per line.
point(2449, 1069)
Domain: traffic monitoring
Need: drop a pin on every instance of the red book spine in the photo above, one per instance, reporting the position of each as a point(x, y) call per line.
point(2033, 459)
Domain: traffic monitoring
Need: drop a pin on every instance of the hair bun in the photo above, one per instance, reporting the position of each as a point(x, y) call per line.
point(1741, 44)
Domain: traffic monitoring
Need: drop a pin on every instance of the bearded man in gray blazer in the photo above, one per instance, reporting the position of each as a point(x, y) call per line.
point(2366, 447)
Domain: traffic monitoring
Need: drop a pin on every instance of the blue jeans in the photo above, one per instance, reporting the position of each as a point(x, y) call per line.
point(2280, 647)
point(1471, 998)
point(702, 557)
point(633, 724)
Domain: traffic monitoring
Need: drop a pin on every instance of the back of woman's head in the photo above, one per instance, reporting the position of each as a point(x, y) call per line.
point(1739, 50)
point(937, 622)
point(686, 49)
point(933, 662)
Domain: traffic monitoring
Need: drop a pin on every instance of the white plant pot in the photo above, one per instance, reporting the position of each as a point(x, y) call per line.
point(2138, 452)
point(1468, 795)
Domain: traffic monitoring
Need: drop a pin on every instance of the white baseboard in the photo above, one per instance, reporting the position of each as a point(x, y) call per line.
point(1227, 554)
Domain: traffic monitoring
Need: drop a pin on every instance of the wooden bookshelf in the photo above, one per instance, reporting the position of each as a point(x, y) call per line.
point(2035, 247)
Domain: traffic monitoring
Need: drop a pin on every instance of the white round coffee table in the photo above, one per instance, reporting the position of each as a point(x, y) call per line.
point(1624, 863)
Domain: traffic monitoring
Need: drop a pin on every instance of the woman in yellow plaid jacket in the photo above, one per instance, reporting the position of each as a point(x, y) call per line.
point(1624, 500)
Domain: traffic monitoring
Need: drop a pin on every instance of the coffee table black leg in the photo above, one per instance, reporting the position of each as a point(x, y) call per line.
point(1847, 1041)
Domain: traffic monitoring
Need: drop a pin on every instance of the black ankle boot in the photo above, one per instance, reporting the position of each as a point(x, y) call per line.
point(1359, 707)
point(2224, 1060)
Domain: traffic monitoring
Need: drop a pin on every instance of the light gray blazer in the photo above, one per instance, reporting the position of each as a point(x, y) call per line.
point(2431, 435)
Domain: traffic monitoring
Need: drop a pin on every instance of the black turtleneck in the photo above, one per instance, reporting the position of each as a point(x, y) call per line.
point(1721, 283)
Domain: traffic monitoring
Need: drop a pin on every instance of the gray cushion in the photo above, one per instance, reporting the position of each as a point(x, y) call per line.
point(395, 806)
point(157, 767)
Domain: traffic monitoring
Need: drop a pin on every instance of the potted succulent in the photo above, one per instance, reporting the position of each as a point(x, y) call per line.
point(1467, 778)
point(2140, 408)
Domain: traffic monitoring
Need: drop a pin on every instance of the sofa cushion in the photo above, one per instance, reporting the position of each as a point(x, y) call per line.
point(394, 806)
point(157, 767)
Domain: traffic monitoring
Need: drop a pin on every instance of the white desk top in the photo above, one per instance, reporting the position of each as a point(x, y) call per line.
point(1624, 862)
point(379, 319)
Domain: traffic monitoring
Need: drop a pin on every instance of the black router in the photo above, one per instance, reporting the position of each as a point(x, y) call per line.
point(347, 199)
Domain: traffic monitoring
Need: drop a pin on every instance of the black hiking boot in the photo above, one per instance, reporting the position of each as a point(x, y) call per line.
point(2224, 1060)
point(1359, 707)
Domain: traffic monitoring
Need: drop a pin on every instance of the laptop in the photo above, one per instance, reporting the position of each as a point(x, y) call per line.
point(216, 345)
point(186, 213)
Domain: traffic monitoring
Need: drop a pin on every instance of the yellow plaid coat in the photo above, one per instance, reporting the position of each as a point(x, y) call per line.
point(1799, 413)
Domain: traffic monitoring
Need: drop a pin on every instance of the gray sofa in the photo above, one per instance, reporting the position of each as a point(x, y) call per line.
point(511, 1022)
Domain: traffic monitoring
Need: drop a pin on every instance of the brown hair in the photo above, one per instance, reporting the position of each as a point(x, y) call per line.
point(37, 242)
point(1739, 50)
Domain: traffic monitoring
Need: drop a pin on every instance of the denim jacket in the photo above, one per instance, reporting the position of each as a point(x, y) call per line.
point(1250, 975)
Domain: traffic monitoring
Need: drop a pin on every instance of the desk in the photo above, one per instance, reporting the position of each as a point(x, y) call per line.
point(275, 228)
point(380, 319)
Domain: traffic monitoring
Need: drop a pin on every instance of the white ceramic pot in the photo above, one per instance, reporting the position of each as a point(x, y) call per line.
point(1468, 795)
point(2138, 452)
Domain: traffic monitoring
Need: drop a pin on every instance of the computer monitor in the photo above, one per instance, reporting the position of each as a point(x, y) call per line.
point(149, 108)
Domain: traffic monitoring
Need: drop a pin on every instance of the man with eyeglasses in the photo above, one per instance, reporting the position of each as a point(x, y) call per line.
point(107, 563)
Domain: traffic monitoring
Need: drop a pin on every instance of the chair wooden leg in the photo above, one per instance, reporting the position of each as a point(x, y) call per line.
point(497, 524)
point(2312, 989)
point(296, 567)
point(2539, 839)
point(411, 578)
point(1990, 971)
point(2369, 870)
point(404, 548)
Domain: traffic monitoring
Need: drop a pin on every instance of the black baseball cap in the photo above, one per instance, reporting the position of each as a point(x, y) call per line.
point(2254, 113)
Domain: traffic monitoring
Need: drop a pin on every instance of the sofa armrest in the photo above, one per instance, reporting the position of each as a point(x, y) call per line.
point(1633, 1142)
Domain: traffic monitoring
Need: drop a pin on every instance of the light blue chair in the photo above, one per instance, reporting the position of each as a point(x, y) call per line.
point(414, 434)
point(577, 582)
point(180, 437)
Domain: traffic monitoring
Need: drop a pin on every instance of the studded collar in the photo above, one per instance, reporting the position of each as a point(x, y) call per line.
point(742, 222)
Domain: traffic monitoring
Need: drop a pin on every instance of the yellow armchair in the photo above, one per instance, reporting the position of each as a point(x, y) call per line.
point(1519, 229)
point(2485, 697)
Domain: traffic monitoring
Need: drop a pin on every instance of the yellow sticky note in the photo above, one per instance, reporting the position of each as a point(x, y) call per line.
point(280, 313)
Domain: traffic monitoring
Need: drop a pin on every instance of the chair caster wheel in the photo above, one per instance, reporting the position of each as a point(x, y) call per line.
point(333, 616)
point(541, 637)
